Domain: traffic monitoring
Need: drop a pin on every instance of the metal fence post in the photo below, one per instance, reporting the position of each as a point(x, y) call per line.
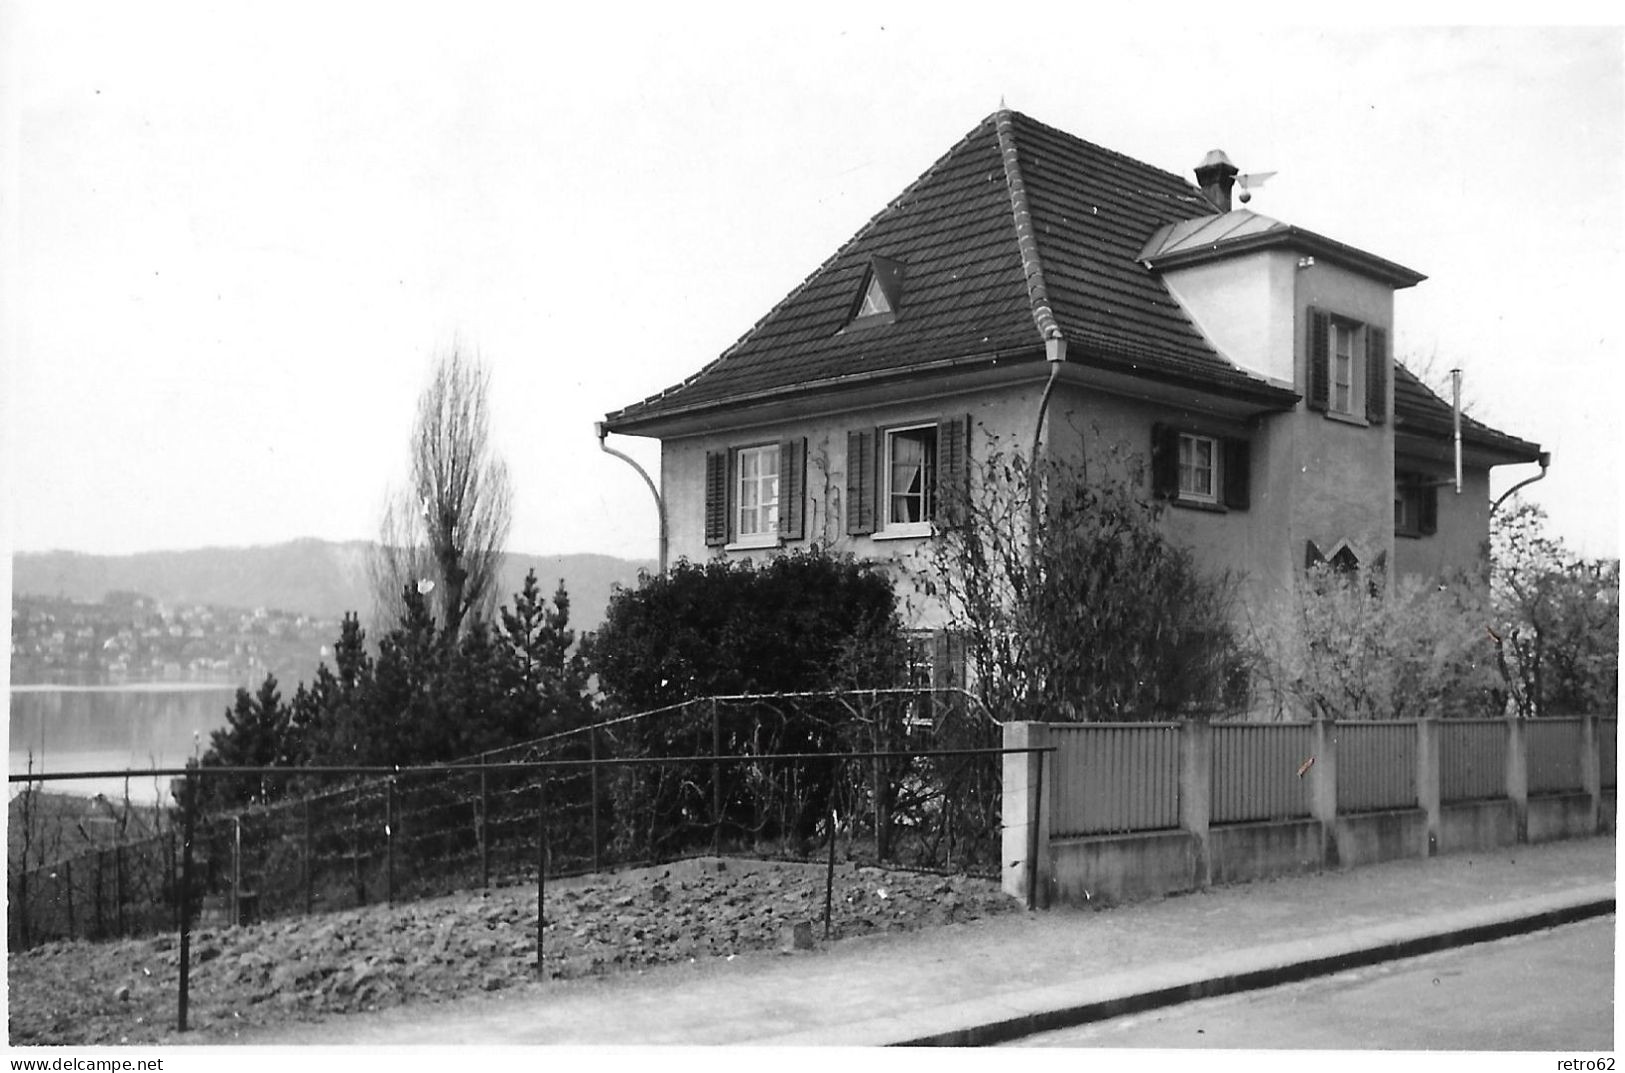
point(389, 842)
point(355, 848)
point(716, 780)
point(101, 927)
point(118, 887)
point(186, 898)
point(592, 739)
point(309, 860)
point(485, 850)
point(829, 874)
point(236, 872)
point(67, 869)
point(541, 867)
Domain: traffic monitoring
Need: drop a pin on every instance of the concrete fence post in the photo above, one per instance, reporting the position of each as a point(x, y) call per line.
point(1196, 791)
point(1322, 776)
point(1428, 793)
point(1026, 812)
point(1591, 771)
point(1518, 774)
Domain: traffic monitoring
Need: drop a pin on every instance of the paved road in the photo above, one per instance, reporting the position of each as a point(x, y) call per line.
point(1546, 991)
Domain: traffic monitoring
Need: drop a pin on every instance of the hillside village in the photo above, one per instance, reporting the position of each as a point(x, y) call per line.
point(129, 638)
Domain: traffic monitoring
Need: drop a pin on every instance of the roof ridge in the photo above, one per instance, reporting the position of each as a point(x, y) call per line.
point(1032, 265)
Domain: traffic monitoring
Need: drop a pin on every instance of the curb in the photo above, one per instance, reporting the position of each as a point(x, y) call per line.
point(1013, 1028)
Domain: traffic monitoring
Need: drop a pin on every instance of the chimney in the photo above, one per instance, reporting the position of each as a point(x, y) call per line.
point(1216, 175)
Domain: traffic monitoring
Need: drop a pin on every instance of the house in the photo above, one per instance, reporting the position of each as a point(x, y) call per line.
point(1247, 362)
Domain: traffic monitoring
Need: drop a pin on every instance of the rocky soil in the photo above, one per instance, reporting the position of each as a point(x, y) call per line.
point(366, 959)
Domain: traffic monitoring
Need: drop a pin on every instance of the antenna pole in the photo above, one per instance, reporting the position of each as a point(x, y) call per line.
point(1455, 420)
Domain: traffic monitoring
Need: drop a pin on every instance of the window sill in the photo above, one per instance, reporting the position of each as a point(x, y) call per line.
point(910, 531)
point(754, 543)
point(1197, 504)
point(1410, 534)
point(1347, 419)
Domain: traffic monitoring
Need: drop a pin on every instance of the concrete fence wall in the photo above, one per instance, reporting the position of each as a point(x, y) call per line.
point(1124, 811)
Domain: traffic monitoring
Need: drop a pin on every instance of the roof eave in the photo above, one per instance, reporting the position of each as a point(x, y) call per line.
point(649, 423)
point(1394, 274)
point(1511, 449)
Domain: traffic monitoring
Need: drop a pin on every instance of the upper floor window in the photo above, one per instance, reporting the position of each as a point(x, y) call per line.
point(753, 495)
point(911, 476)
point(1344, 335)
point(1348, 367)
point(900, 480)
point(757, 497)
point(1200, 469)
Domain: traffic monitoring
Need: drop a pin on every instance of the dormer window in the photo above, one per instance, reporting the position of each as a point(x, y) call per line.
point(881, 294)
point(874, 299)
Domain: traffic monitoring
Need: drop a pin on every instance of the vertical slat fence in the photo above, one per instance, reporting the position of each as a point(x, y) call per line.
point(1114, 777)
point(1255, 771)
point(1554, 755)
point(1376, 766)
point(1472, 759)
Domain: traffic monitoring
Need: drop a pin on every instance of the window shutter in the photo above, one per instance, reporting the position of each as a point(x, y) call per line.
point(1237, 474)
point(716, 498)
point(1320, 360)
point(1428, 509)
point(792, 488)
point(1376, 375)
point(953, 471)
point(860, 482)
point(1164, 461)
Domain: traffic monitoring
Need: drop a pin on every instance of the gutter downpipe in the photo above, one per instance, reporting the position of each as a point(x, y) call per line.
point(1055, 354)
point(660, 504)
point(1455, 420)
point(1545, 461)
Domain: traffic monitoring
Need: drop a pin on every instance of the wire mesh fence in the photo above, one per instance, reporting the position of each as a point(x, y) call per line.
point(910, 776)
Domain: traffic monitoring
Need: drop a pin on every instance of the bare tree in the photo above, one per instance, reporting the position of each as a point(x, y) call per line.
point(444, 533)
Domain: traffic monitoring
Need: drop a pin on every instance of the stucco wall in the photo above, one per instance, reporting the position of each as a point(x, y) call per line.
point(1464, 525)
point(1113, 435)
point(1000, 416)
point(1244, 306)
point(1342, 491)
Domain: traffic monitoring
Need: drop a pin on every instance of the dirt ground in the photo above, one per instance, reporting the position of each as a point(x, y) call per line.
point(309, 968)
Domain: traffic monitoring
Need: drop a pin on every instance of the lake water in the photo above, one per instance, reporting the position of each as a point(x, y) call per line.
point(95, 728)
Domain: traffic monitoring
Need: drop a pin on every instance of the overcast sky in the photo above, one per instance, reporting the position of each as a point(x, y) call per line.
point(235, 240)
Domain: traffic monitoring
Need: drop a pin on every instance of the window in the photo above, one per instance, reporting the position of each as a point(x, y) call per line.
point(1348, 367)
point(911, 476)
point(1416, 505)
point(874, 300)
point(757, 495)
point(753, 495)
point(878, 298)
point(1343, 337)
point(903, 479)
point(1199, 469)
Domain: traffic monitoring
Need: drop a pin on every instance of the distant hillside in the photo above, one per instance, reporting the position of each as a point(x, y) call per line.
point(312, 577)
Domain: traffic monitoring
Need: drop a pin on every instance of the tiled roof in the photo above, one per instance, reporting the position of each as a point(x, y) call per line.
point(969, 293)
point(1418, 410)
